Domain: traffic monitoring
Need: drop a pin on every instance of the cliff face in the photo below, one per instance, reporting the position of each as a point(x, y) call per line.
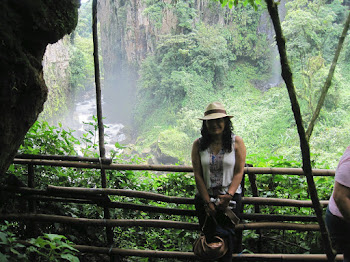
point(26, 27)
point(130, 30)
point(57, 77)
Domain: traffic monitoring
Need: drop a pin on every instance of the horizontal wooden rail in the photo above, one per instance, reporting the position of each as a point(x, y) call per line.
point(269, 201)
point(65, 158)
point(101, 197)
point(179, 200)
point(80, 192)
point(191, 256)
point(164, 210)
point(167, 168)
point(121, 192)
point(42, 162)
point(106, 203)
point(273, 217)
point(76, 192)
point(154, 223)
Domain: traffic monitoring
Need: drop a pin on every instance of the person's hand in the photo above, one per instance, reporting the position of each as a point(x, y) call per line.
point(210, 209)
point(224, 201)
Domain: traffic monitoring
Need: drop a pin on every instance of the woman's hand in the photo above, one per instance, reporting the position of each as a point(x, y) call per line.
point(210, 209)
point(224, 201)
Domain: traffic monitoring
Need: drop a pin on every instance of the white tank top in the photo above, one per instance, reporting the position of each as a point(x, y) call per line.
point(226, 170)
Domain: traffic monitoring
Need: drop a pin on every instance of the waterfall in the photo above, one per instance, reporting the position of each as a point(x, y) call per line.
point(85, 109)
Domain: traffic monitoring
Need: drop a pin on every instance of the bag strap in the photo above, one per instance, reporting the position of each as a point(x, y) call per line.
point(232, 216)
point(206, 219)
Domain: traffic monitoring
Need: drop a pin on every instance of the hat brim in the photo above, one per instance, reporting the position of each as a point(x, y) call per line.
point(214, 116)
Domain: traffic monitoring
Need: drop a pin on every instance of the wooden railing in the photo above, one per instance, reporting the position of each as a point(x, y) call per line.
point(100, 196)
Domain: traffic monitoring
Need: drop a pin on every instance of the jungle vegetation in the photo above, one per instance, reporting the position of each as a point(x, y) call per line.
point(232, 64)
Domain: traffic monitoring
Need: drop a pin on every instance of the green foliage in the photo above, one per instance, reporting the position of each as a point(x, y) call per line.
point(154, 11)
point(10, 249)
point(188, 70)
point(52, 247)
point(172, 143)
point(232, 3)
point(43, 138)
point(312, 30)
point(84, 28)
point(185, 13)
point(49, 247)
point(81, 63)
point(183, 10)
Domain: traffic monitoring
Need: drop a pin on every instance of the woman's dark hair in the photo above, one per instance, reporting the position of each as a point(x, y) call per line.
point(205, 140)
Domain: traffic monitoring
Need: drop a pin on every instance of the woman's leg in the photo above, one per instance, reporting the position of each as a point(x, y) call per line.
point(339, 231)
point(229, 227)
point(210, 227)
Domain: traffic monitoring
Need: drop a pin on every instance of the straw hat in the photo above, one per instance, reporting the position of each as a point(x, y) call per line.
point(214, 110)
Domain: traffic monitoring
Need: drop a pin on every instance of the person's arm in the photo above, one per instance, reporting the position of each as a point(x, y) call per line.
point(240, 153)
point(198, 175)
point(341, 196)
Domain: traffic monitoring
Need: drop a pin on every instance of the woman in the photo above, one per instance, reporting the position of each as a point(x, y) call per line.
point(218, 159)
point(338, 210)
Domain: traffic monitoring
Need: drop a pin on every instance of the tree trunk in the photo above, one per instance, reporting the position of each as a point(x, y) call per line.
point(304, 145)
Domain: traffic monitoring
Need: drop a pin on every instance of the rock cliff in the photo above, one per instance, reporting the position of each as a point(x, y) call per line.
point(26, 28)
point(130, 30)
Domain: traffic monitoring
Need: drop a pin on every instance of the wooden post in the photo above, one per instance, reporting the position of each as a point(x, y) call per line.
point(255, 192)
point(31, 203)
point(109, 230)
point(304, 145)
point(239, 234)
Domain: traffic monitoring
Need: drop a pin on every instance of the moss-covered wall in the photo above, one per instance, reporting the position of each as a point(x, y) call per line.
point(26, 28)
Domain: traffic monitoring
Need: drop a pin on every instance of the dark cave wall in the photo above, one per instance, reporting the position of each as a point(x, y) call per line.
point(26, 27)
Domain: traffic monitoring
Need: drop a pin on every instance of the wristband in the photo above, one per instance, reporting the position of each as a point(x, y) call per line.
point(229, 194)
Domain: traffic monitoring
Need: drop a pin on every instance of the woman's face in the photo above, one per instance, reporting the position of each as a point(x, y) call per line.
point(215, 126)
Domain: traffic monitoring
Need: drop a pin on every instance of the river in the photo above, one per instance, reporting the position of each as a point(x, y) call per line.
point(84, 123)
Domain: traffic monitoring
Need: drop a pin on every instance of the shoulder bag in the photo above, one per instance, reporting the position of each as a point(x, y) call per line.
point(209, 251)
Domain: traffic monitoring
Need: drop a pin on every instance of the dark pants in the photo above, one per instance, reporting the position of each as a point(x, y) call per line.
point(339, 231)
point(224, 227)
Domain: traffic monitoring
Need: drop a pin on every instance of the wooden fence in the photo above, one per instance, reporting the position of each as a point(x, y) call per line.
point(100, 196)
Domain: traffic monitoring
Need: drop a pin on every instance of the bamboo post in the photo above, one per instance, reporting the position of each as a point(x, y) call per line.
point(305, 150)
point(239, 233)
point(255, 192)
point(109, 230)
point(31, 203)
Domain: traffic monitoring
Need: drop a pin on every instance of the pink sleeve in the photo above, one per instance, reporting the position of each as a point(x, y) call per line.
point(342, 174)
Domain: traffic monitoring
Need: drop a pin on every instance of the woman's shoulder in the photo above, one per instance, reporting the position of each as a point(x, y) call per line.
point(238, 138)
point(196, 142)
point(239, 143)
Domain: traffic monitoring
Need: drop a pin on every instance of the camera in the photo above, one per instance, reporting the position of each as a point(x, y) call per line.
point(216, 201)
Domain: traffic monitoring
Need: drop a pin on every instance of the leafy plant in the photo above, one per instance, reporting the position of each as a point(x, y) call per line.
point(52, 247)
point(49, 247)
point(10, 248)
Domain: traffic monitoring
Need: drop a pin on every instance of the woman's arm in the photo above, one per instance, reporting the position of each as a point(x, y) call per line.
point(341, 196)
point(240, 153)
point(198, 175)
